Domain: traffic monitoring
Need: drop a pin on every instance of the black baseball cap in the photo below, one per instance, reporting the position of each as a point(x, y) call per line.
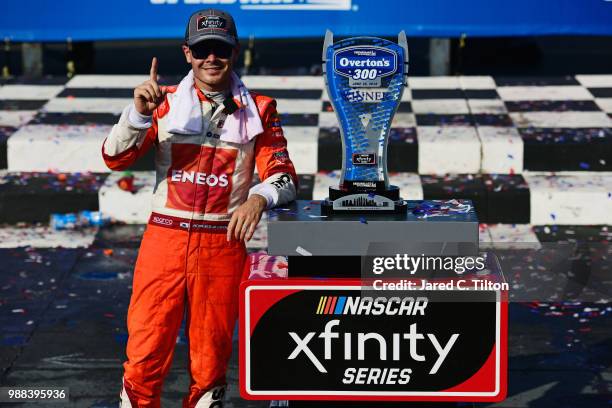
point(211, 24)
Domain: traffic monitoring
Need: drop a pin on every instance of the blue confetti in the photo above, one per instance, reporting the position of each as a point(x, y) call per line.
point(584, 165)
point(16, 340)
point(121, 338)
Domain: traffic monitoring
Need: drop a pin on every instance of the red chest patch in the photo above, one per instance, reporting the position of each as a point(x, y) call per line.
point(200, 178)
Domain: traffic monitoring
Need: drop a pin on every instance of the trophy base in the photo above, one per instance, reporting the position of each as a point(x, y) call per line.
point(376, 201)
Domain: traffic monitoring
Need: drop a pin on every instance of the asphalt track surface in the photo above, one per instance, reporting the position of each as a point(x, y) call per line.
point(62, 313)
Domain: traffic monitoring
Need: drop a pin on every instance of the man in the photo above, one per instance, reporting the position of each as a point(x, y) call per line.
point(209, 133)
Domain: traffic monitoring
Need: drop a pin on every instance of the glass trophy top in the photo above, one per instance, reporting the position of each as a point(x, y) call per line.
point(365, 78)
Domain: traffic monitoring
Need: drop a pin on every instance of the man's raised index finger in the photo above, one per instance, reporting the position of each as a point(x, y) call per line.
point(153, 72)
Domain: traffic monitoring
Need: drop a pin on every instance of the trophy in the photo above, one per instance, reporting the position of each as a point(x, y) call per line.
point(365, 79)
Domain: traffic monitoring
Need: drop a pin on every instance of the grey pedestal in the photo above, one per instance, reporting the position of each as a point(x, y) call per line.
point(299, 229)
point(309, 239)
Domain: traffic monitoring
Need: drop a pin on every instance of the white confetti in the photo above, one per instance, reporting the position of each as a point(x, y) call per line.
point(302, 251)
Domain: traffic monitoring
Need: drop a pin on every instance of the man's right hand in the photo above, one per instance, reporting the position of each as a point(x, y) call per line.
point(149, 95)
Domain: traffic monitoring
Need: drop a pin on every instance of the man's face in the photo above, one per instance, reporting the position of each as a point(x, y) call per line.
point(212, 62)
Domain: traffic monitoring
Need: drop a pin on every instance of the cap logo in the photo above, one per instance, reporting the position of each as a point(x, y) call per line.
point(207, 22)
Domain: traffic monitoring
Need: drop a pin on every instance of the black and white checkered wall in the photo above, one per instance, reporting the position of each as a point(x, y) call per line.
point(526, 150)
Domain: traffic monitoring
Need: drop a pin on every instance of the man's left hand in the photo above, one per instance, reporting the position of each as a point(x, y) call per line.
point(245, 218)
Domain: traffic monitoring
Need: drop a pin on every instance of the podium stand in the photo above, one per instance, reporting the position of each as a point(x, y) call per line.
point(317, 346)
point(299, 229)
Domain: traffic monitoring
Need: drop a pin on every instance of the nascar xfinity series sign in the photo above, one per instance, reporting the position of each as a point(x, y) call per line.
point(320, 340)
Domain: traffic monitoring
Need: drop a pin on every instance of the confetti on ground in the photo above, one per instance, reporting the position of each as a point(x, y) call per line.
point(302, 251)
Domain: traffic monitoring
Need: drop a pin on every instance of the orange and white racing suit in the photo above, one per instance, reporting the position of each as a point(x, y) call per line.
point(185, 263)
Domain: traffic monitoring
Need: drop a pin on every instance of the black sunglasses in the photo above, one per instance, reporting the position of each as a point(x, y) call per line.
point(204, 49)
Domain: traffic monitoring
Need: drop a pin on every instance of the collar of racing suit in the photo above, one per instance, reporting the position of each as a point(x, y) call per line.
point(216, 98)
point(204, 96)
